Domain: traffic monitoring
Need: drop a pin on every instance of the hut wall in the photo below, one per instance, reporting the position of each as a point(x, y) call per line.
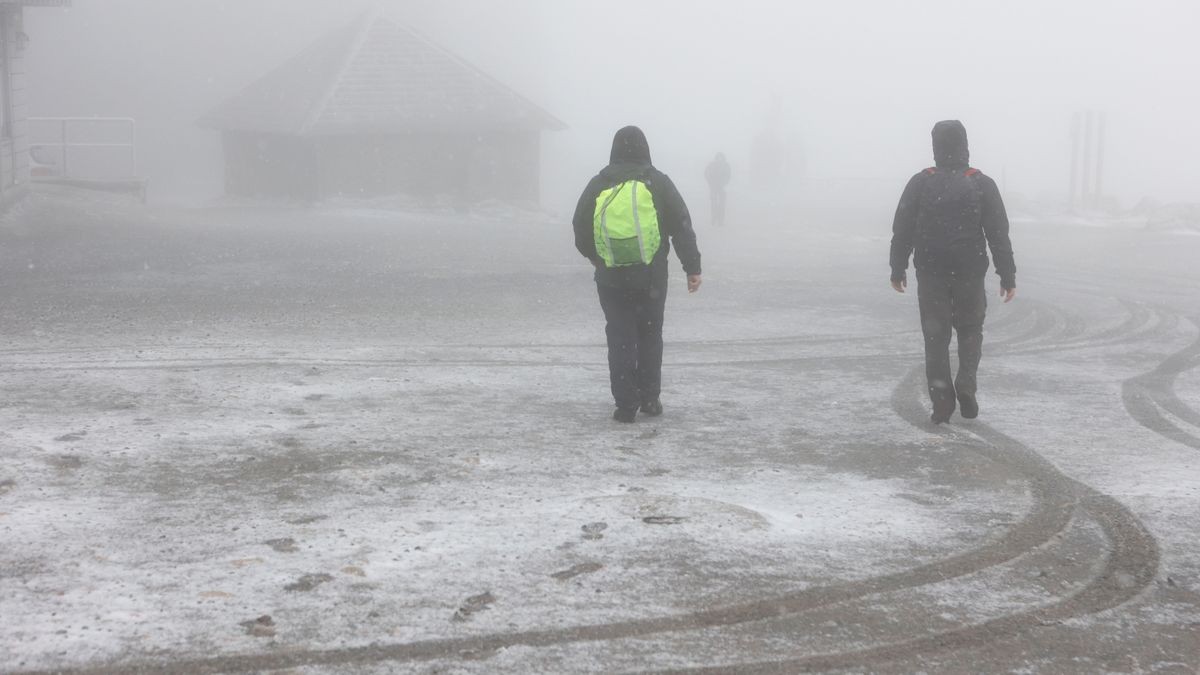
point(459, 166)
point(271, 166)
point(507, 167)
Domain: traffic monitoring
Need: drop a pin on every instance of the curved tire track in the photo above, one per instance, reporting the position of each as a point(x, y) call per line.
point(1051, 330)
point(1130, 567)
point(1147, 397)
point(1051, 512)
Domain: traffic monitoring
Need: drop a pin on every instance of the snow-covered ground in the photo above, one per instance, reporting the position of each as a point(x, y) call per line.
point(362, 439)
point(1181, 218)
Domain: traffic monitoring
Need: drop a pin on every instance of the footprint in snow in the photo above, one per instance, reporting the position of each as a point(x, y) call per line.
point(308, 582)
point(285, 545)
point(592, 531)
point(473, 605)
point(577, 570)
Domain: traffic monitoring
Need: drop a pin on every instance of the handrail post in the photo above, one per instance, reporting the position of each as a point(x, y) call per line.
point(132, 148)
point(111, 150)
point(64, 148)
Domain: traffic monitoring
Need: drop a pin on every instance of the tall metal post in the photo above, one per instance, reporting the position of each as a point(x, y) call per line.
point(1089, 130)
point(1100, 151)
point(1076, 130)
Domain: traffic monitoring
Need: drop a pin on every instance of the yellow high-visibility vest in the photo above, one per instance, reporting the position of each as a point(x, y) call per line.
point(626, 225)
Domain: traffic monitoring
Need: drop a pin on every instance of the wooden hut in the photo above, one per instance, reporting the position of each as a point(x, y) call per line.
point(377, 109)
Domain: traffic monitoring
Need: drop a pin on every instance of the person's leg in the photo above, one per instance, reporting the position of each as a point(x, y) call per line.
point(970, 309)
point(934, 298)
point(719, 207)
point(621, 328)
point(651, 309)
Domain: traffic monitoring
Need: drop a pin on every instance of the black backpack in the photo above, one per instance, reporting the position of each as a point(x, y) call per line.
point(950, 217)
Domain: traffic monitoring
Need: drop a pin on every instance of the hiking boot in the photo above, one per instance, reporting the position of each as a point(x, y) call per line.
point(968, 407)
point(625, 415)
point(940, 418)
point(653, 408)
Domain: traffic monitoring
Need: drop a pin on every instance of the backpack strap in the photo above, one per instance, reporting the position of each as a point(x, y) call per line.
point(968, 173)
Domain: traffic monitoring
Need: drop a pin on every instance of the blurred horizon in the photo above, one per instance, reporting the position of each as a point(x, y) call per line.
point(854, 87)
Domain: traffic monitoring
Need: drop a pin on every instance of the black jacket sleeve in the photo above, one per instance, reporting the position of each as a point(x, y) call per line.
point(904, 227)
point(583, 222)
point(676, 221)
point(995, 228)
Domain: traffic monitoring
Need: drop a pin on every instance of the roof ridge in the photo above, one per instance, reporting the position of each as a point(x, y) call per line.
point(433, 44)
point(365, 22)
point(340, 84)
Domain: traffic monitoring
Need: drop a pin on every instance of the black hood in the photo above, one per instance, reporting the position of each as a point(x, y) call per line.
point(950, 145)
point(630, 147)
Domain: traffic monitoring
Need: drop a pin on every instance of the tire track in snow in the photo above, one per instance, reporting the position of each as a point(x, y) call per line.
point(1151, 399)
point(226, 363)
point(1050, 513)
point(1058, 330)
point(1048, 323)
point(1057, 498)
point(1130, 568)
point(1142, 323)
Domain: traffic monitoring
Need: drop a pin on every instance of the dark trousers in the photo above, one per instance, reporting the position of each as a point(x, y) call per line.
point(635, 344)
point(718, 206)
point(951, 302)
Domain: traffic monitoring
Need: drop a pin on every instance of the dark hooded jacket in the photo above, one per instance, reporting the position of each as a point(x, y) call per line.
point(630, 159)
point(951, 214)
point(718, 172)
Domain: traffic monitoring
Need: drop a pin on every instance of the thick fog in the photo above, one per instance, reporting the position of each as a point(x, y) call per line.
point(851, 88)
point(354, 392)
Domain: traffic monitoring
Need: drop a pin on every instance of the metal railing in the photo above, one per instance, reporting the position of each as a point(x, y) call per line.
point(64, 144)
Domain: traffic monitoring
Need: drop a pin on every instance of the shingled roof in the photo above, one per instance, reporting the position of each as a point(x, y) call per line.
point(376, 76)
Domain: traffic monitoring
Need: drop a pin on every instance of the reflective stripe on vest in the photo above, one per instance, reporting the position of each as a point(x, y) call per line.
point(606, 255)
point(637, 226)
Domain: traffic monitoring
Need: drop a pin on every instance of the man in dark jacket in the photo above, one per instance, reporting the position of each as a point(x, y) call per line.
point(950, 215)
point(633, 291)
point(718, 174)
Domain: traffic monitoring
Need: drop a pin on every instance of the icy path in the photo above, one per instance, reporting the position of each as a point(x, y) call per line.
point(399, 451)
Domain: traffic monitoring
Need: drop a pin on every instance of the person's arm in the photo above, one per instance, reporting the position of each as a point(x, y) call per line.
point(677, 223)
point(995, 228)
point(584, 222)
point(904, 228)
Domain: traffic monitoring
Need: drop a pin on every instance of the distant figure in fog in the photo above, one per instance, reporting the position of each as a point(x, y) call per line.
point(718, 174)
point(950, 215)
point(626, 220)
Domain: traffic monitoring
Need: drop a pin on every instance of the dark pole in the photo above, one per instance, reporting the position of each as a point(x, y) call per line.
point(1100, 150)
point(1089, 129)
point(1073, 193)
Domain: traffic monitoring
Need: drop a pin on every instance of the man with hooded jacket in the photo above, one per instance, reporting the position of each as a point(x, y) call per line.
point(950, 215)
point(627, 239)
point(718, 174)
